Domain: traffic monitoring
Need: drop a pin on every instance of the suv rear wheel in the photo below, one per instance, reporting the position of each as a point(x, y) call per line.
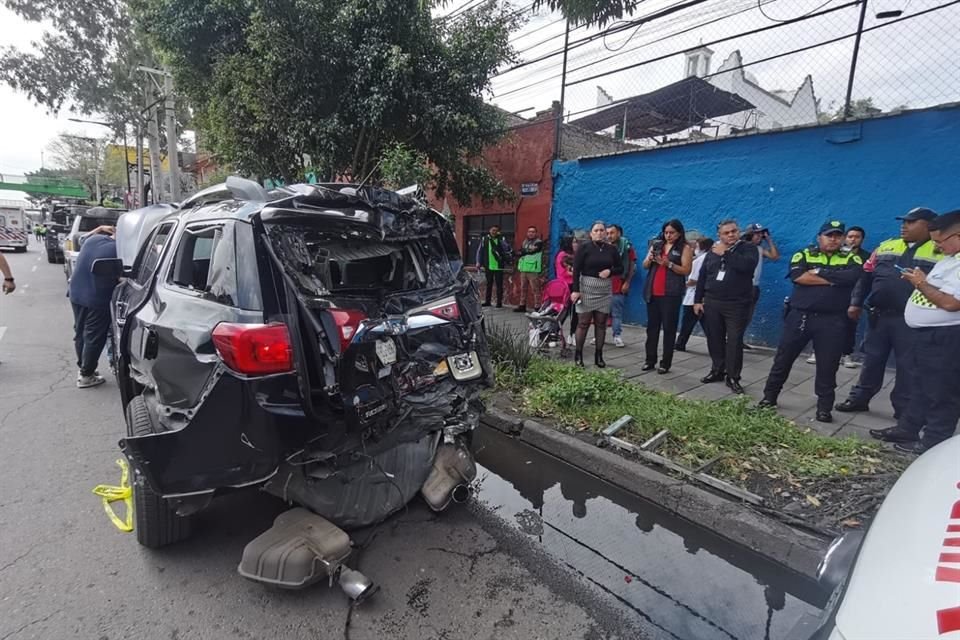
point(156, 524)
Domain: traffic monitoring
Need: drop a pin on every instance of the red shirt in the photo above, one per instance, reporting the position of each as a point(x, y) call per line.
point(660, 277)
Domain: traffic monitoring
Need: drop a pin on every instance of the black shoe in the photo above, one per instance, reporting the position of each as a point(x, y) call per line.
point(915, 448)
point(499, 305)
point(650, 366)
point(663, 370)
point(824, 416)
point(747, 347)
point(578, 359)
point(598, 359)
point(521, 309)
point(735, 386)
point(713, 376)
point(894, 434)
point(681, 348)
point(848, 406)
point(485, 304)
point(766, 403)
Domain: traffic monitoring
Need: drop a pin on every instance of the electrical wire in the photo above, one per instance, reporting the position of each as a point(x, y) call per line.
point(776, 25)
point(771, 18)
point(749, 7)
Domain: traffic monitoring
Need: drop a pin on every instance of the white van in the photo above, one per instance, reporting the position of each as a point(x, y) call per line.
point(901, 580)
point(13, 226)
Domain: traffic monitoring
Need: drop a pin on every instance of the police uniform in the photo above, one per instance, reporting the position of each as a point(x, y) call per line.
point(818, 313)
point(934, 402)
point(884, 294)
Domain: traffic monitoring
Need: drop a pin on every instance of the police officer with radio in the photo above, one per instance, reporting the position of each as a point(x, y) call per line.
point(884, 294)
point(823, 278)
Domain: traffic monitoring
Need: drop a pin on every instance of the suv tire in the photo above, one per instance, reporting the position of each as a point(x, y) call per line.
point(50, 257)
point(156, 524)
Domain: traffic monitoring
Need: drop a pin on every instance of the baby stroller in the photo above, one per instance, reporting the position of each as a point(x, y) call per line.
point(547, 321)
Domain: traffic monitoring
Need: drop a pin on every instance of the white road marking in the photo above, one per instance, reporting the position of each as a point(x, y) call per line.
point(3, 330)
point(33, 268)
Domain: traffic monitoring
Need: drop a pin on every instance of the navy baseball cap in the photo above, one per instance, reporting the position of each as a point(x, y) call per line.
point(832, 226)
point(919, 213)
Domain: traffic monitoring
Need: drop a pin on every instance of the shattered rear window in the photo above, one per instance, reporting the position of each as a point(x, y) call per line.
point(323, 262)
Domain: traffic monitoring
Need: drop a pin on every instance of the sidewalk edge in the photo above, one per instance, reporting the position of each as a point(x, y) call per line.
point(795, 549)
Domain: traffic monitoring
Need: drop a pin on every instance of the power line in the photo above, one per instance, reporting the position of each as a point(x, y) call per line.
point(771, 18)
point(673, 34)
point(578, 43)
point(784, 54)
point(770, 27)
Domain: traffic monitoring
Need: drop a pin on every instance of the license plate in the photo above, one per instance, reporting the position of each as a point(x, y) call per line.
point(386, 351)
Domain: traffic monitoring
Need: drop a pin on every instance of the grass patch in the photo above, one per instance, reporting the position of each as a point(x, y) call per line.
point(754, 444)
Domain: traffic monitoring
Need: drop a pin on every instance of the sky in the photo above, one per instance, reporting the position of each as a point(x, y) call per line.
point(915, 63)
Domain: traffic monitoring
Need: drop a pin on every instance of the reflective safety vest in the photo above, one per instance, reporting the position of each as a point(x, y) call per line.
point(819, 299)
point(890, 250)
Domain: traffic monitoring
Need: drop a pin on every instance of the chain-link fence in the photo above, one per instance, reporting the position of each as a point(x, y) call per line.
point(703, 69)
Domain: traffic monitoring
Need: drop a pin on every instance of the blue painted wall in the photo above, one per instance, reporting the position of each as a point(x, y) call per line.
point(864, 173)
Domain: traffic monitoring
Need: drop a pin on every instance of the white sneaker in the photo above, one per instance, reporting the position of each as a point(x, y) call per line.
point(849, 363)
point(85, 382)
point(80, 374)
point(812, 360)
point(572, 339)
point(618, 341)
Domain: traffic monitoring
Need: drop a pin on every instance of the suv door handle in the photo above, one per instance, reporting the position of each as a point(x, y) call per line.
point(152, 345)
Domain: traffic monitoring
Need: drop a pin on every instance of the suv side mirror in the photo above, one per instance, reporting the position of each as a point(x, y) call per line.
point(109, 268)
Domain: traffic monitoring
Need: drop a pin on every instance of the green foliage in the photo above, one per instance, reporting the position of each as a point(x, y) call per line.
point(401, 166)
point(87, 58)
point(510, 352)
point(590, 12)
point(746, 438)
point(349, 84)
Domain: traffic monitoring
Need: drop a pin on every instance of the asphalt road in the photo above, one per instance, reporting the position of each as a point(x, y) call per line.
point(66, 572)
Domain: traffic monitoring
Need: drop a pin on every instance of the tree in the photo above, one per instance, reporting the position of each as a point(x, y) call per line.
point(87, 59)
point(79, 158)
point(346, 83)
point(590, 12)
point(859, 108)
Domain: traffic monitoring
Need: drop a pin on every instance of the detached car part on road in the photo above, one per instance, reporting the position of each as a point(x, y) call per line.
point(321, 341)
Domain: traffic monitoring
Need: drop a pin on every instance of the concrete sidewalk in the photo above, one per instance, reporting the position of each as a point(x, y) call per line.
point(797, 401)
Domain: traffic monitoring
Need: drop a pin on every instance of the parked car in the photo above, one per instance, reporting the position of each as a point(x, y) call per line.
point(899, 579)
point(85, 221)
point(322, 342)
point(53, 241)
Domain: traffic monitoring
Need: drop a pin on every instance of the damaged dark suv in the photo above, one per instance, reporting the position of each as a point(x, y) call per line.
point(321, 342)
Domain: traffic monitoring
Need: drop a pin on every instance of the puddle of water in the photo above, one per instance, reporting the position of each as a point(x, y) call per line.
point(681, 581)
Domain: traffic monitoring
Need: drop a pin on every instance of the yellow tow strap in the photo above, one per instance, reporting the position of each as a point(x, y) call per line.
point(111, 494)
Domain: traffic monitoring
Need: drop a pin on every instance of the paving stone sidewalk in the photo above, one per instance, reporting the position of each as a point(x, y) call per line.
point(797, 401)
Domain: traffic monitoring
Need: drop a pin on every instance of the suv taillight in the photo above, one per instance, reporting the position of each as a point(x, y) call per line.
point(347, 321)
point(446, 309)
point(254, 349)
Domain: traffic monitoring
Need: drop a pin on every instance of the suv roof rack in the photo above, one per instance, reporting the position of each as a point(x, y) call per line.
point(235, 188)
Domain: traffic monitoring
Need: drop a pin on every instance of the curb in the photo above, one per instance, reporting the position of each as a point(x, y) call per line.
point(792, 548)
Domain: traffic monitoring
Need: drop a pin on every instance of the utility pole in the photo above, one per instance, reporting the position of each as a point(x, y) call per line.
point(563, 88)
point(156, 171)
point(853, 62)
point(140, 200)
point(172, 154)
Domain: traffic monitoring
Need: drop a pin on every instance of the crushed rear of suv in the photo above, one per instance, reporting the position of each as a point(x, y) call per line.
point(321, 341)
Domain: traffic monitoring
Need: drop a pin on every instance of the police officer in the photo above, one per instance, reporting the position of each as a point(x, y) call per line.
point(885, 294)
point(933, 315)
point(823, 278)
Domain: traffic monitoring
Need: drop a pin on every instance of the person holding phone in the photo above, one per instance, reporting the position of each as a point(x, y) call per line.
point(884, 294)
point(933, 315)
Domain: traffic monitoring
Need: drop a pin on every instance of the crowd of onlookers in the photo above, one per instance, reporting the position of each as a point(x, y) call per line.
point(909, 287)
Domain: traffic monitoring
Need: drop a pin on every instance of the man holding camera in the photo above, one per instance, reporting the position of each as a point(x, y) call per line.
point(758, 235)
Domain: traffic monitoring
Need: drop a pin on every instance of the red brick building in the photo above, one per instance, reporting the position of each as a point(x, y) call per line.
point(522, 160)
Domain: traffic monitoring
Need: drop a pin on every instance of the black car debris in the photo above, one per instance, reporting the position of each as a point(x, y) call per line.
point(320, 342)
